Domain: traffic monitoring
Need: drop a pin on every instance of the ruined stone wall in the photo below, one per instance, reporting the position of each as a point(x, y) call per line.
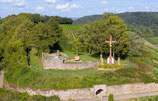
point(58, 64)
point(63, 94)
point(53, 61)
point(88, 93)
point(131, 89)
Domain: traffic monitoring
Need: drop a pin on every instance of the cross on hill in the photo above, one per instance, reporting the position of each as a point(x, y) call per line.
point(110, 60)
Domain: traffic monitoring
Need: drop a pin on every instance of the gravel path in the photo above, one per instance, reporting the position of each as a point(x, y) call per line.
point(1, 78)
point(123, 97)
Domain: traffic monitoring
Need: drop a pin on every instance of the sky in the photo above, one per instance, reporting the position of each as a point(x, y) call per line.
point(75, 8)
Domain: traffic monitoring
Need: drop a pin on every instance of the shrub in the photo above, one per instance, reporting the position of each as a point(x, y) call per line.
point(110, 66)
point(111, 98)
point(141, 64)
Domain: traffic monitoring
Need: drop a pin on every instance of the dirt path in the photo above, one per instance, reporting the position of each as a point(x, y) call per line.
point(124, 97)
point(149, 44)
point(1, 78)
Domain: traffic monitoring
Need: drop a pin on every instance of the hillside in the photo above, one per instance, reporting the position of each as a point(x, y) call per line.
point(144, 23)
point(134, 18)
point(85, 19)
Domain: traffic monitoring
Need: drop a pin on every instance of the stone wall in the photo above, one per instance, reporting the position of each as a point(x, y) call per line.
point(60, 65)
point(89, 93)
point(131, 89)
point(63, 94)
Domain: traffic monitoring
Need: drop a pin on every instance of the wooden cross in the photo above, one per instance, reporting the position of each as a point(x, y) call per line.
point(110, 42)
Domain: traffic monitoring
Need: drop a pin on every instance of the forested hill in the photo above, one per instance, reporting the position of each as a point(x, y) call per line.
point(86, 19)
point(134, 18)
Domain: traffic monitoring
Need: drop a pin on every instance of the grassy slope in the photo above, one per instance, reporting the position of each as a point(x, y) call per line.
point(57, 79)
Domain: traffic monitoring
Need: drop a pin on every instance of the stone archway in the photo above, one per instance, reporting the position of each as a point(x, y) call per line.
point(99, 90)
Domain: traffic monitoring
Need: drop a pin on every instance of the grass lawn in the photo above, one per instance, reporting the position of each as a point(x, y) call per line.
point(87, 57)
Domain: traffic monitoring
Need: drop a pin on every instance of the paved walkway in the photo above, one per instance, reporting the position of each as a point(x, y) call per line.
point(1, 78)
point(123, 97)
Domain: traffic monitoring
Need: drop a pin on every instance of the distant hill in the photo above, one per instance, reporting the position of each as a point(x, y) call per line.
point(86, 19)
point(134, 18)
point(144, 23)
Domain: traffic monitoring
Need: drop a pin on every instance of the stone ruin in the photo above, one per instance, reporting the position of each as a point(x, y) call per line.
point(61, 61)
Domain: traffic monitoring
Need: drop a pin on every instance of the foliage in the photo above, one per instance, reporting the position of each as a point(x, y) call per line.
point(46, 35)
point(118, 29)
point(85, 19)
point(6, 95)
point(142, 65)
point(134, 18)
point(111, 98)
point(136, 46)
point(110, 66)
point(94, 35)
point(143, 23)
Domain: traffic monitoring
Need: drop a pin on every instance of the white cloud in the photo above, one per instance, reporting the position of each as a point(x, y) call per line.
point(62, 7)
point(50, 1)
point(104, 1)
point(147, 7)
point(74, 6)
point(40, 9)
point(17, 3)
point(67, 6)
point(6, 1)
point(130, 7)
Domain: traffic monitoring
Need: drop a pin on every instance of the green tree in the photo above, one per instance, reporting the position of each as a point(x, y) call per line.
point(136, 45)
point(76, 44)
point(118, 29)
point(46, 35)
point(93, 36)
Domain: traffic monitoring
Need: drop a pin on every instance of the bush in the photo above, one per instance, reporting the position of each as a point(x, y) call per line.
point(141, 64)
point(110, 66)
point(111, 98)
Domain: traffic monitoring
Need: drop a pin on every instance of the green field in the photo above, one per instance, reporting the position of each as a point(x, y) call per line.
point(69, 31)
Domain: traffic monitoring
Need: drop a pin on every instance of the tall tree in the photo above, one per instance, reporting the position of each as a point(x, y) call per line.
point(46, 35)
point(118, 29)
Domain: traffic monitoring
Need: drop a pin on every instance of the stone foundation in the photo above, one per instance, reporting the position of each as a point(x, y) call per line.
point(53, 61)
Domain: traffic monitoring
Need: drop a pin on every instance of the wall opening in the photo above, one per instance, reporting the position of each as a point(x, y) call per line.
point(99, 91)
